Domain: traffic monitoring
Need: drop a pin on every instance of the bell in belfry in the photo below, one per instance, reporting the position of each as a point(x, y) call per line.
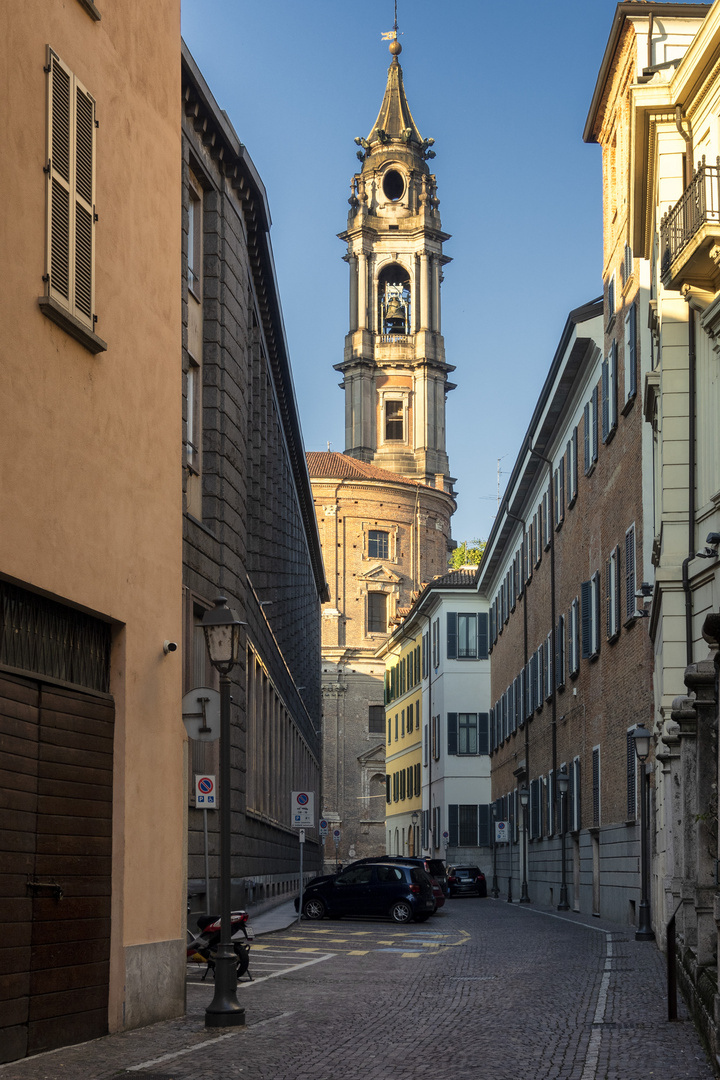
point(395, 317)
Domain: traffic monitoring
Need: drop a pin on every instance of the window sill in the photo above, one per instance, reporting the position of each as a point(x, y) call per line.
point(591, 470)
point(630, 621)
point(610, 435)
point(71, 325)
point(91, 9)
point(628, 404)
point(613, 638)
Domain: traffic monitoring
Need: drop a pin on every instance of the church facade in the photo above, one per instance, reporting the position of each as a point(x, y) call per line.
point(384, 505)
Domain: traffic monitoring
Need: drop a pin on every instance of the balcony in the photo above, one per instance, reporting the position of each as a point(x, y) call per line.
point(393, 347)
point(690, 234)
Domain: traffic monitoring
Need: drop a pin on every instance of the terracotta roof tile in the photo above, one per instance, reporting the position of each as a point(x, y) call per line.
point(344, 467)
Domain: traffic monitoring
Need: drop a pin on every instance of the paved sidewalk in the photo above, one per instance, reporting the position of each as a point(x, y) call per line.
point(484, 991)
point(277, 918)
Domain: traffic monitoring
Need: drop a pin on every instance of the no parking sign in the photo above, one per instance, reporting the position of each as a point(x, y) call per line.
point(205, 792)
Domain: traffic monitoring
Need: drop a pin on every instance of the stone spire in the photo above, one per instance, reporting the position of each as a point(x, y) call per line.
point(395, 121)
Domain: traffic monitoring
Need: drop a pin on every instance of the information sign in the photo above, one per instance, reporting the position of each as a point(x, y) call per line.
point(502, 832)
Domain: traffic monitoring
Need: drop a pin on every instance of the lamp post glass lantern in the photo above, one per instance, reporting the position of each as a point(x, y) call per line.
point(222, 629)
point(524, 796)
point(644, 930)
point(563, 781)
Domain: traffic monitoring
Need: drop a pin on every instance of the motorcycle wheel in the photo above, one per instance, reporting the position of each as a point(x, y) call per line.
point(243, 959)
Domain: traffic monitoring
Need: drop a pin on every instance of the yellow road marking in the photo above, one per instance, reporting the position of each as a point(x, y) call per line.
point(255, 947)
point(308, 950)
point(410, 954)
point(358, 952)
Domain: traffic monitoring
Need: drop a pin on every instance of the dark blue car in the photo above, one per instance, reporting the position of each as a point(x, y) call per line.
point(403, 893)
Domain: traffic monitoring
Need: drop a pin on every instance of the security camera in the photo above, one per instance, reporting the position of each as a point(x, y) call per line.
point(712, 542)
point(169, 646)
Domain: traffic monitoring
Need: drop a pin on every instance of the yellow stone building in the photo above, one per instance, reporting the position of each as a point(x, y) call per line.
point(403, 748)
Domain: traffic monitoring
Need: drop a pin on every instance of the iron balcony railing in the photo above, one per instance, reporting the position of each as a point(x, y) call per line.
point(700, 204)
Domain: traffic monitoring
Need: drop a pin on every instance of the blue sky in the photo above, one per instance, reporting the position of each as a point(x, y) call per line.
point(504, 89)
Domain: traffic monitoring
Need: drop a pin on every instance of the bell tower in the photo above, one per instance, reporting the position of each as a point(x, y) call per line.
point(394, 370)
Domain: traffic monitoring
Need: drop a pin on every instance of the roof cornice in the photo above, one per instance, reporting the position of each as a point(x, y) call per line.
point(623, 11)
point(213, 126)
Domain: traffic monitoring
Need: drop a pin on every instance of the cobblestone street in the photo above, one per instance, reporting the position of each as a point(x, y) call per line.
point(484, 989)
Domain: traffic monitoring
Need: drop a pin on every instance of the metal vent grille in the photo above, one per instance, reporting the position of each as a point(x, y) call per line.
point(46, 638)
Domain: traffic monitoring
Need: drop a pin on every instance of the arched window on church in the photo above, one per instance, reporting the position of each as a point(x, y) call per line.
point(394, 301)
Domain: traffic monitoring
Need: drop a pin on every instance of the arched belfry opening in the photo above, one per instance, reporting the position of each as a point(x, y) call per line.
point(394, 300)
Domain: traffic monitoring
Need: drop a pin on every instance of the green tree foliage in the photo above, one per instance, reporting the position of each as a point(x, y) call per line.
point(467, 554)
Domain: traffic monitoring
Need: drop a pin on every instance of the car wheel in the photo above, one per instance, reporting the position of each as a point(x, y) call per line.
point(421, 918)
point(313, 909)
point(401, 912)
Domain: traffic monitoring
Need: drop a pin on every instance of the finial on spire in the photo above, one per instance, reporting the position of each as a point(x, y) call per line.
point(391, 36)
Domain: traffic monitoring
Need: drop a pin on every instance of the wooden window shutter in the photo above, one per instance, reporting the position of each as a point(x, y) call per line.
point(70, 253)
point(59, 201)
point(84, 204)
point(605, 399)
point(631, 389)
point(484, 819)
point(594, 446)
point(631, 777)
point(613, 404)
point(586, 437)
point(453, 824)
point(596, 785)
point(630, 572)
point(483, 733)
point(452, 733)
point(586, 617)
point(482, 635)
point(452, 635)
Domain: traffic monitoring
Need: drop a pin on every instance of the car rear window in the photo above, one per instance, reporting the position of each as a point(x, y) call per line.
point(390, 874)
point(468, 870)
point(436, 867)
point(418, 875)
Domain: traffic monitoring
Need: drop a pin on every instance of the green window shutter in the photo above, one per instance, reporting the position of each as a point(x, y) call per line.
point(452, 733)
point(483, 745)
point(482, 635)
point(452, 635)
point(453, 824)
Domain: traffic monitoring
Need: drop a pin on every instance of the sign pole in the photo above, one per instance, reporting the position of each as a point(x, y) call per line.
point(207, 863)
point(302, 846)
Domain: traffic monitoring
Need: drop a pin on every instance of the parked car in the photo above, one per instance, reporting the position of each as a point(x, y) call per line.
point(466, 880)
point(434, 867)
point(385, 889)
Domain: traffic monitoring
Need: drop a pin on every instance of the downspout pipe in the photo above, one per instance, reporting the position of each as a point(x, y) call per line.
point(697, 302)
point(687, 136)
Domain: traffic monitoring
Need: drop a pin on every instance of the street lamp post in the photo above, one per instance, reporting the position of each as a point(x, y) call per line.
point(644, 930)
point(524, 796)
point(495, 891)
point(222, 637)
point(414, 820)
point(562, 780)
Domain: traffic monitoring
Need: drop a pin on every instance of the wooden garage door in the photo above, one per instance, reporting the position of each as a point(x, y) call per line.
point(55, 865)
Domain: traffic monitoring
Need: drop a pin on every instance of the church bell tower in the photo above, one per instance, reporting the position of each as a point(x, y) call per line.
point(394, 370)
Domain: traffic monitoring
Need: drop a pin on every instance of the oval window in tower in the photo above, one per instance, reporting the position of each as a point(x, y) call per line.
point(393, 185)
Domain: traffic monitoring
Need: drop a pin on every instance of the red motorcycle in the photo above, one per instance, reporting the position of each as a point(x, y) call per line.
point(202, 947)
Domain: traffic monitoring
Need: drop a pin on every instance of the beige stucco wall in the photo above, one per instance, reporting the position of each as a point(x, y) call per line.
point(90, 495)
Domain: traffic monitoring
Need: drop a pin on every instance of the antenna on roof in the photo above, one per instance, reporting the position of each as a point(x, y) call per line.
point(328, 446)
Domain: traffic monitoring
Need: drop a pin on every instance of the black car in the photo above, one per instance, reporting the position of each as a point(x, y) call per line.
point(466, 880)
point(435, 868)
point(393, 889)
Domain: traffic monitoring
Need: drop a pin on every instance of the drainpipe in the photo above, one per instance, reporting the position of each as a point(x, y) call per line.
point(688, 145)
point(697, 301)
